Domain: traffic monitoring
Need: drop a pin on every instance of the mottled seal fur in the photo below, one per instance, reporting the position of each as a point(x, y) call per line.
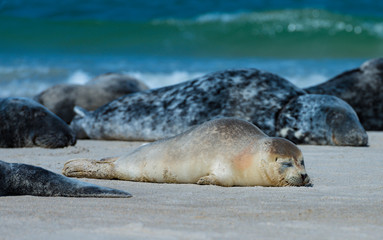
point(26, 123)
point(226, 152)
point(362, 88)
point(61, 99)
point(249, 94)
point(23, 179)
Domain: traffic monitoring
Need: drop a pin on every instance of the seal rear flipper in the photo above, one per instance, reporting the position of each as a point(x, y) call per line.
point(87, 168)
point(78, 121)
point(81, 111)
point(23, 179)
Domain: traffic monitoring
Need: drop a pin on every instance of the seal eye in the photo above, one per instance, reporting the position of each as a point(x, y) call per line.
point(287, 164)
point(302, 163)
point(276, 159)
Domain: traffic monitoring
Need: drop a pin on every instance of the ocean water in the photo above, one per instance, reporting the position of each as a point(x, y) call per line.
point(43, 42)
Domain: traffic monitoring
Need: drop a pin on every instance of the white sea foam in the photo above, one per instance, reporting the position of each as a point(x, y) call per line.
point(22, 88)
point(304, 81)
point(28, 87)
point(23, 69)
point(26, 80)
point(290, 20)
point(222, 17)
point(33, 76)
point(79, 77)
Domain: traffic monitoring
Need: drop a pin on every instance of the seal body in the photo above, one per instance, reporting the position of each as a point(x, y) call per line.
point(249, 94)
point(61, 99)
point(226, 152)
point(23, 179)
point(362, 88)
point(26, 123)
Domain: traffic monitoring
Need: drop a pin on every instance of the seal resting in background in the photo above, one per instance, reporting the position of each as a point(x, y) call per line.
point(23, 179)
point(261, 98)
point(61, 99)
point(226, 152)
point(26, 123)
point(362, 88)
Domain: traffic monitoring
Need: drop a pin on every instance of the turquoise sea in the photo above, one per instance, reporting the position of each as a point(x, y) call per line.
point(43, 42)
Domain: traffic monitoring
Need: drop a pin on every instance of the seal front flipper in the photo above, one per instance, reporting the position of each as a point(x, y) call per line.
point(23, 179)
point(208, 180)
point(87, 168)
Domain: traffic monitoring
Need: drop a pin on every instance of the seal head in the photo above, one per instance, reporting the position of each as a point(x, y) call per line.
point(373, 66)
point(61, 99)
point(26, 123)
point(322, 120)
point(362, 88)
point(285, 160)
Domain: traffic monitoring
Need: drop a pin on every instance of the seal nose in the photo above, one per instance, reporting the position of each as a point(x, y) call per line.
point(72, 140)
point(363, 139)
point(358, 138)
point(354, 137)
point(303, 176)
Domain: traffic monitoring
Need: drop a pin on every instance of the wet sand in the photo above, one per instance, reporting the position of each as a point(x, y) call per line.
point(346, 201)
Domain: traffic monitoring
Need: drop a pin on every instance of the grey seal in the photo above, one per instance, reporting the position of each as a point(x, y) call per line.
point(24, 179)
point(261, 98)
point(26, 123)
point(62, 98)
point(226, 152)
point(362, 88)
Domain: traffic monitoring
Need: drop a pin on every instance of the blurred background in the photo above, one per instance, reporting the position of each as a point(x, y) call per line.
point(44, 42)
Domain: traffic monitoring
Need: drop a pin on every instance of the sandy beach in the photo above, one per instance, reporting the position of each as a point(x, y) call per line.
point(346, 201)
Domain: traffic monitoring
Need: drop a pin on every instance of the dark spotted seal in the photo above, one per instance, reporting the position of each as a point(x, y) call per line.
point(23, 179)
point(265, 99)
point(61, 99)
point(362, 88)
point(226, 152)
point(26, 123)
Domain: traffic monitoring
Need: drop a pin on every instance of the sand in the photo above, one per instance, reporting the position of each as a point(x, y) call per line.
point(346, 202)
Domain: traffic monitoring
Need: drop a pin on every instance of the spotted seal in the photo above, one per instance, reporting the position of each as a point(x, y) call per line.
point(362, 88)
point(24, 179)
point(26, 123)
point(262, 98)
point(226, 152)
point(62, 98)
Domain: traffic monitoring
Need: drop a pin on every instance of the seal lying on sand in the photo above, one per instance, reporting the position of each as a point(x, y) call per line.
point(23, 179)
point(362, 88)
point(226, 152)
point(262, 98)
point(61, 99)
point(26, 123)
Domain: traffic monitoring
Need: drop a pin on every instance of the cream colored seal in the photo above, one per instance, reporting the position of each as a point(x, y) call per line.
point(226, 152)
